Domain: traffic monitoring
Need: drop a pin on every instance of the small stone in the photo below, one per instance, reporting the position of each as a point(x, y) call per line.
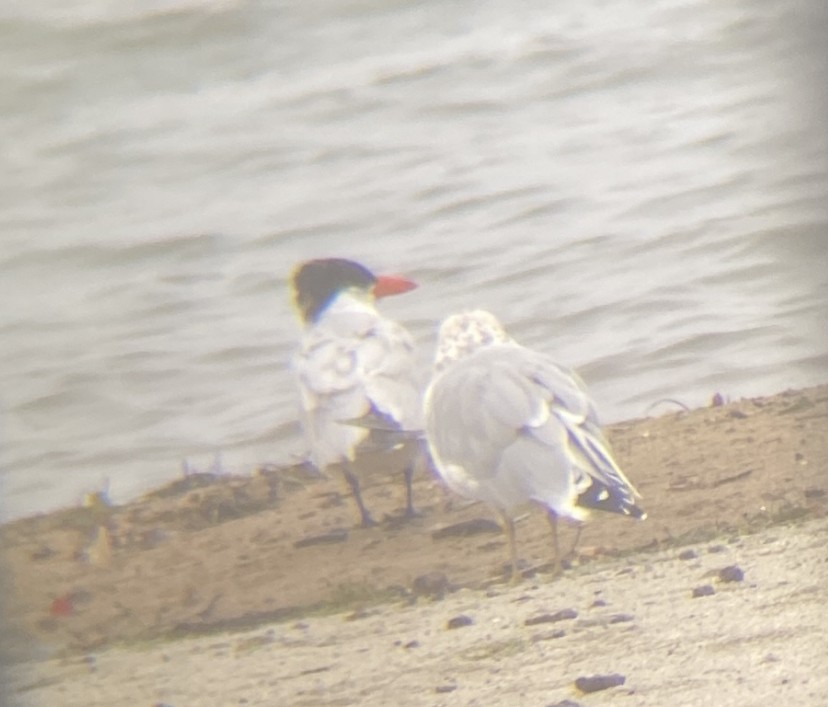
point(564, 703)
point(459, 621)
point(814, 493)
point(731, 573)
point(562, 615)
point(442, 689)
point(688, 555)
point(335, 536)
point(594, 683)
point(737, 414)
point(705, 590)
point(599, 602)
point(621, 618)
point(412, 644)
point(548, 635)
point(433, 584)
point(714, 549)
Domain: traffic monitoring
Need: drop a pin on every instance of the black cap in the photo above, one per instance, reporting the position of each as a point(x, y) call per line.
point(317, 282)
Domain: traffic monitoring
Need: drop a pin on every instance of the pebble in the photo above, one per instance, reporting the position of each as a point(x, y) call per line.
point(705, 590)
point(459, 621)
point(562, 615)
point(331, 538)
point(548, 635)
point(594, 683)
point(564, 703)
point(688, 555)
point(441, 689)
point(731, 573)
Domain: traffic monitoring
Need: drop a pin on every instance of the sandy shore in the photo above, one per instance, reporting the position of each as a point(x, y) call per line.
point(758, 641)
point(104, 606)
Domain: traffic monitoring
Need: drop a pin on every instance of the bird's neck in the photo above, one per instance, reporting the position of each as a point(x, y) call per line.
point(349, 302)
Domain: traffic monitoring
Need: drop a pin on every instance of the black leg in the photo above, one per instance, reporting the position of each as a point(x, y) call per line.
point(366, 521)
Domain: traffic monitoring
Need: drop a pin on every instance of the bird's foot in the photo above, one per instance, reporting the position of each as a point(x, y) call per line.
point(412, 513)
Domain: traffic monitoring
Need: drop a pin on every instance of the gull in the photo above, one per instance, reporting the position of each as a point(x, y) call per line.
point(508, 426)
point(355, 369)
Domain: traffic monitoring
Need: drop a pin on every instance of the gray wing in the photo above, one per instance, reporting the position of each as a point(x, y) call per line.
point(606, 486)
point(519, 422)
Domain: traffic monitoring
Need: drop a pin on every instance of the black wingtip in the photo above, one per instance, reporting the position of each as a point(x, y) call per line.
point(601, 497)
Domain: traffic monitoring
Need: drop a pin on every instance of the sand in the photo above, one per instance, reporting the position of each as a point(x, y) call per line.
point(216, 591)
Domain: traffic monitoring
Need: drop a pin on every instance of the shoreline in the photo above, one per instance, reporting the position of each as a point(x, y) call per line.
point(210, 554)
point(640, 620)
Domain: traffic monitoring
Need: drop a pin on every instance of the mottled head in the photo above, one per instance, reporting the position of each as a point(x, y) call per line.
point(317, 283)
point(462, 334)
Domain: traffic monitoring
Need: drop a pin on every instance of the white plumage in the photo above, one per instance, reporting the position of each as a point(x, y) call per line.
point(355, 368)
point(507, 426)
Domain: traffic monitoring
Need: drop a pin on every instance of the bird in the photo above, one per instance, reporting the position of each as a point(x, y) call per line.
point(356, 371)
point(506, 425)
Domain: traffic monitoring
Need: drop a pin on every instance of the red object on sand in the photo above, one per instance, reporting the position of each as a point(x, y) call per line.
point(62, 606)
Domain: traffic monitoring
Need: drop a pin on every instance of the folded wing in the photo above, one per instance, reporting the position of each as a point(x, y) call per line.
point(524, 429)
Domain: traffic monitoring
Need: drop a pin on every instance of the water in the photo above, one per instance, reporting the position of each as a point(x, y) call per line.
point(639, 189)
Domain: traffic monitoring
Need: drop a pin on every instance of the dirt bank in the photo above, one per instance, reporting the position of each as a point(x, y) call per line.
point(212, 554)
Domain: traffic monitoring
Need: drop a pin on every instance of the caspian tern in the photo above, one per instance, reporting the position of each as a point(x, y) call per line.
point(507, 426)
point(356, 369)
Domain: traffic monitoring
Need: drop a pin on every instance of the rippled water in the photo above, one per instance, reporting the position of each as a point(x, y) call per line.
point(640, 189)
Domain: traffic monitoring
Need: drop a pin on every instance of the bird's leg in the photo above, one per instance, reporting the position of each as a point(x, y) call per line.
point(571, 553)
point(509, 528)
point(408, 475)
point(366, 521)
point(553, 524)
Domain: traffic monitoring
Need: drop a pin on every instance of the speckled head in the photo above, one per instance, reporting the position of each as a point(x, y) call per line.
point(462, 334)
